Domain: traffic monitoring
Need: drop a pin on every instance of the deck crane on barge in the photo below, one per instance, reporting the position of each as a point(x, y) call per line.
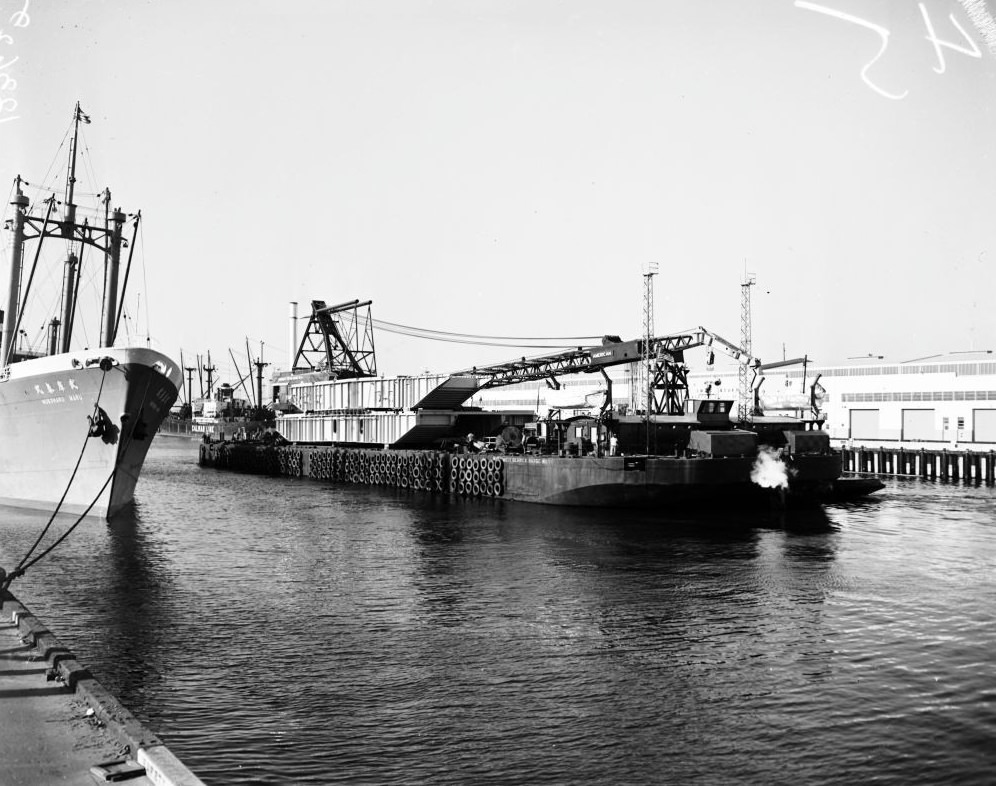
point(673, 416)
point(337, 345)
point(669, 382)
point(344, 422)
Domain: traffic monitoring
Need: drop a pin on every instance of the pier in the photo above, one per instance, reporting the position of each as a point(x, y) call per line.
point(969, 466)
point(57, 723)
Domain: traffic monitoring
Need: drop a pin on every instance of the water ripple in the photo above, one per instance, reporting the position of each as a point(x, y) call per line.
point(279, 632)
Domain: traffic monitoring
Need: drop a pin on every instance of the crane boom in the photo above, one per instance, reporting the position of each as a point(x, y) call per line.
point(586, 360)
point(710, 339)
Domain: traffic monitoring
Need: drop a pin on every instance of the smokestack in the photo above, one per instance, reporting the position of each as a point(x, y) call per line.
point(293, 334)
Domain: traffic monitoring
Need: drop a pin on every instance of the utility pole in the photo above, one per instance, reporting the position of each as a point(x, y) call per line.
point(746, 406)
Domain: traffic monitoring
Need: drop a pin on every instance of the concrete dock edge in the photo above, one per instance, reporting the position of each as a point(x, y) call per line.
point(161, 766)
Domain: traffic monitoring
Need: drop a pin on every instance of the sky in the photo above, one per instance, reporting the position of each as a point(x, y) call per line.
point(505, 168)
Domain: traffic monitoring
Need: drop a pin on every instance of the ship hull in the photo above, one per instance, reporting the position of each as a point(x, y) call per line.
point(49, 449)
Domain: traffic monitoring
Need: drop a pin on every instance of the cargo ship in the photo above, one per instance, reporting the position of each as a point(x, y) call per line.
point(338, 420)
point(75, 423)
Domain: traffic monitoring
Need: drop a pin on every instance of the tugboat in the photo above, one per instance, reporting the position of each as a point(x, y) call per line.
point(75, 423)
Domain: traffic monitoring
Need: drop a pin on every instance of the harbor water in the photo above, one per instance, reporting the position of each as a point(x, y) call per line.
point(278, 631)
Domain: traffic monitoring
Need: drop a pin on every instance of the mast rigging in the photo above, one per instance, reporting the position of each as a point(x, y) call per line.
point(107, 239)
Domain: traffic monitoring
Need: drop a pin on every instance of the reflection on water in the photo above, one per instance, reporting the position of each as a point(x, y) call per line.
point(135, 615)
point(293, 632)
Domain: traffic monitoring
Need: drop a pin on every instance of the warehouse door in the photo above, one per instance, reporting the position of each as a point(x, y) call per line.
point(920, 425)
point(864, 424)
point(984, 425)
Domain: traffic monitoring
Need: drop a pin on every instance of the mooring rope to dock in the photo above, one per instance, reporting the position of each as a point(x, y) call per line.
point(26, 561)
point(24, 564)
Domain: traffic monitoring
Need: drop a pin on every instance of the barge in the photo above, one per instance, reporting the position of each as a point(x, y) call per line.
point(612, 481)
point(337, 420)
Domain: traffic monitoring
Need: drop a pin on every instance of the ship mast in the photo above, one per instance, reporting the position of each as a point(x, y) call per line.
point(71, 181)
point(107, 240)
point(112, 266)
point(72, 261)
point(11, 315)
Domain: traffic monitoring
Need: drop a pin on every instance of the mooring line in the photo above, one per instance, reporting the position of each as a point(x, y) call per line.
point(7, 578)
point(24, 564)
point(69, 485)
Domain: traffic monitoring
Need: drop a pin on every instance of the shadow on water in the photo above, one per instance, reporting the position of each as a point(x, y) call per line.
point(591, 583)
point(449, 534)
point(104, 591)
point(139, 611)
point(446, 522)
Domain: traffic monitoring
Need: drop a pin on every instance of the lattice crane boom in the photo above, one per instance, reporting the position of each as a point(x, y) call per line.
point(344, 348)
point(670, 375)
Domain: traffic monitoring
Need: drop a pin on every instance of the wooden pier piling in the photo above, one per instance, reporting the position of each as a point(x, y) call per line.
point(965, 466)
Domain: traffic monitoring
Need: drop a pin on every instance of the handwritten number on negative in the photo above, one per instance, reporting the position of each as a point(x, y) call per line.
point(8, 105)
point(972, 50)
point(883, 33)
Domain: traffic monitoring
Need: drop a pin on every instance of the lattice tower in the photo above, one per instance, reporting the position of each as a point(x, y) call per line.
point(745, 407)
point(648, 334)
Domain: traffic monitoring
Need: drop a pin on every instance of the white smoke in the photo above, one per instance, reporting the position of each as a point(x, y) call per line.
point(769, 470)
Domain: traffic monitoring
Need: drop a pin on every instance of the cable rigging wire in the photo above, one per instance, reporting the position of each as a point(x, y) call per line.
point(87, 159)
point(89, 289)
point(477, 343)
point(145, 278)
point(528, 342)
point(382, 323)
point(51, 166)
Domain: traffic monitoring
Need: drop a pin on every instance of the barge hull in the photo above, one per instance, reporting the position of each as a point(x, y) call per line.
point(648, 482)
point(618, 481)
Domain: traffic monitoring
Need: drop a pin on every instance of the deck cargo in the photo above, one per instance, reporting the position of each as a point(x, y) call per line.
point(723, 443)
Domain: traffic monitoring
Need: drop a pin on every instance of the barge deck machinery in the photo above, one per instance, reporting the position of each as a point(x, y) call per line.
point(337, 420)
